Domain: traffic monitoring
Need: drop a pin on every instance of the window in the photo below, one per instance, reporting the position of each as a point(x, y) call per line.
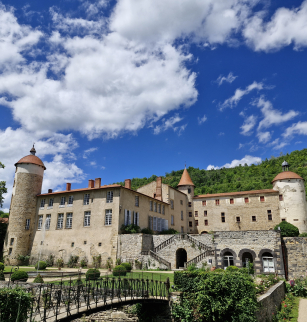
point(155, 206)
point(181, 214)
point(281, 198)
point(246, 199)
point(196, 222)
point(150, 205)
point(12, 242)
point(86, 200)
point(70, 200)
point(62, 203)
point(223, 216)
point(190, 213)
point(159, 208)
point(182, 231)
point(72, 244)
point(159, 228)
point(60, 221)
point(85, 242)
point(190, 204)
point(253, 218)
point(109, 196)
point(136, 201)
point(283, 219)
point(27, 224)
point(206, 222)
point(108, 218)
point(205, 213)
point(87, 219)
point(172, 204)
point(163, 209)
point(204, 202)
point(127, 217)
point(99, 244)
point(42, 242)
point(154, 223)
point(261, 198)
point(217, 202)
point(189, 190)
point(238, 219)
point(48, 220)
point(172, 220)
point(10, 251)
point(50, 204)
point(181, 202)
point(228, 259)
point(69, 220)
point(136, 219)
point(196, 213)
point(231, 201)
point(270, 217)
point(268, 263)
point(40, 222)
point(43, 201)
point(190, 224)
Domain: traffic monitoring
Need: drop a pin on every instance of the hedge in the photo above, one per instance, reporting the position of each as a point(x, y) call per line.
point(119, 270)
point(127, 266)
point(41, 265)
point(92, 274)
point(19, 276)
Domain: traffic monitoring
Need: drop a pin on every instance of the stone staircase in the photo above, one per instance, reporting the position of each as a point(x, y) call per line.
point(157, 258)
point(200, 257)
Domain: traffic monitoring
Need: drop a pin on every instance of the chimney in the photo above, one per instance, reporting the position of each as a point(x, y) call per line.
point(68, 186)
point(91, 183)
point(49, 190)
point(159, 189)
point(97, 182)
point(128, 183)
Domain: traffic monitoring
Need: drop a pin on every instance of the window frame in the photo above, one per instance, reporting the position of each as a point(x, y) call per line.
point(217, 202)
point(48, 222)
point(28, 222)
point(137, 201)
point(206, 222)
point(70, 200)
point(68, 224)
point(60, 221)
point(223, 217)
point(108, 217)
point(87, 219)
point(62, 201)
point(86, 199)
point(110, 196)
point(40, 222)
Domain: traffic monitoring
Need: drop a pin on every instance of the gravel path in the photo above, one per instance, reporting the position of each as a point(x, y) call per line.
point(302, 311)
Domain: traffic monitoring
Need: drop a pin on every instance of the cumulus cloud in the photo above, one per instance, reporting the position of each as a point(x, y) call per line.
point(248, 159)
point(239, 93)
point(264, 137)
point(201, 120)
point(228, 79)
point(286, 26)
point(248, 125)
point(170, 124)
point(297, 128)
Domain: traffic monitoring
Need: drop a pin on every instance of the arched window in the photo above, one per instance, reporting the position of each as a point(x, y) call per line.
point(268, 263)
point(228, 259)
point(247, 258)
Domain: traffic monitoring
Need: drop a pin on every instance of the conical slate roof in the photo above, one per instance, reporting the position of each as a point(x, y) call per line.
point(185, 179)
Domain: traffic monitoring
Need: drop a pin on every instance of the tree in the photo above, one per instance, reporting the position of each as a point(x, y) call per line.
point(2, 188)
point(287, 229)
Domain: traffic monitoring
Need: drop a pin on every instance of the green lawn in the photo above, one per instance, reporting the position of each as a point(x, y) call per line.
point(7, 269)
point(294, 311)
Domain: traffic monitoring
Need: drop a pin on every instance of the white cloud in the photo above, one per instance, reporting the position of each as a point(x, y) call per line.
point(239, 93)
point(296, 128)
point(169, 124)
point(202, 119)
point(272, 116)
point(87, 152)
point(264, 137)
point(286, 26)
point(248, 159)
point(248, 125)
point(229, 79)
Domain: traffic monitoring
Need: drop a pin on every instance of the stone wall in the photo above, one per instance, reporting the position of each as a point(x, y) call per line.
point(270, 302)
point(296, 256)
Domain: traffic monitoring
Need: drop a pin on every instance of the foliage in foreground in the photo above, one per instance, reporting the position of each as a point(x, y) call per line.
point(130, 229)
point(210, 296)
point(287, 229)
point(14, 305)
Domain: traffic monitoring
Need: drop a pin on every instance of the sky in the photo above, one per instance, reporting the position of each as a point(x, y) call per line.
point(130, 88)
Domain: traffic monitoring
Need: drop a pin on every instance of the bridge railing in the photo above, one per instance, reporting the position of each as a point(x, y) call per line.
point(54, 301)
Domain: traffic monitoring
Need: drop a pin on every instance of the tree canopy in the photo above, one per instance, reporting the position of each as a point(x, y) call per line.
point(2, 188)
point(240, 178)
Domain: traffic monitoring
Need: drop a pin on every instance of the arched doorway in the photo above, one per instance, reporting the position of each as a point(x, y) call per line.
point(247, 258)
point(181, 257)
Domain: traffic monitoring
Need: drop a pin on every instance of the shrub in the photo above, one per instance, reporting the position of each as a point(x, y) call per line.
point(38, 279)
point(192, 267)
point(109, 263)
point(1, 266)
point(72, 262)
point(170, 231)
point(119, 270)
point(41, 265)
point(118, 261)
point(83, 262)
point(130, 229)
point(60, 262)
point(15, 304)
point(232, 268)
point(303, 235)
point(92, 274)
point(50, 260)
point(19, 275)
point(97, 261)
point(147, 231)
point(2, 278)
point(24, 260)
point(287, 229)
point(127, 266)
point(219, 270)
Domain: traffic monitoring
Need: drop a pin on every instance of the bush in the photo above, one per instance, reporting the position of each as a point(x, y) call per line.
point(83, 262)
point(2, 278)
point(41, 265)
point(50, 260)
point(119, 270)
point(109, 263)
point(72, 262)
point(303, 235)
point(287, 229)
point(24, 260)
point(1, 266)
point(219, 270)
point(170, 231)
point(19, 275)
point(15, 304)
point(232, 268)
point(118, 261)
point(97, 261)
point(38, 279)
point(92, 274)
point(127, 266)
point(147, 231)
point(130, 229)
point(60, 262)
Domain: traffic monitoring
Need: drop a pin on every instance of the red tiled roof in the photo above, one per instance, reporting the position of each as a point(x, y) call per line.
point(31, 159)
point(185, 179)
point(237, 193)
point(287, 175)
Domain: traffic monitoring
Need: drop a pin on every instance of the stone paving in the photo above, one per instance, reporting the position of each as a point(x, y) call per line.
point(302, 311)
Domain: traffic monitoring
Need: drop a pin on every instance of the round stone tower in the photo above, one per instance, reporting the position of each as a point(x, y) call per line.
point(292, 197)
point(27, 185)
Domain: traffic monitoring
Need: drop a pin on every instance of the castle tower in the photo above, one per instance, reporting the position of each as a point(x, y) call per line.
point(27, 185)
point(292, 197)
point(186, 185)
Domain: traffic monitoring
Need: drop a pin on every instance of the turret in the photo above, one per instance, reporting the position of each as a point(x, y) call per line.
point(27, 185)
point(186, 185)
point(292, 197)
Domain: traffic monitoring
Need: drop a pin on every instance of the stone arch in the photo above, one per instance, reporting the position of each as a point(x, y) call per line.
point(266, 250)
point(246, 250)
point(264, 263)
point(226, 250)
point(245, 254)
point(181, 257)
point(204, 232)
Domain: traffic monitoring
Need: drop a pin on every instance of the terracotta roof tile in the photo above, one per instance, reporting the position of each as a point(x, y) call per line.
point(31, 159)
point(287, 175)
point(185, 179)
point(238, 193)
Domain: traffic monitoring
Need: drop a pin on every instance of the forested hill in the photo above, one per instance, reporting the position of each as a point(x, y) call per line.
point(241, 178)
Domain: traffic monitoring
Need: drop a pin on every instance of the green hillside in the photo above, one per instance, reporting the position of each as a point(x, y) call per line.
point(241, 178)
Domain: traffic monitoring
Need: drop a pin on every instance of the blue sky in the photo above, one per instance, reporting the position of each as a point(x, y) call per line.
point(123, 89)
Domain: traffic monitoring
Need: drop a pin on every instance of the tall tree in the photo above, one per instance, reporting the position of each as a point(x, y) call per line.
point(2, 187)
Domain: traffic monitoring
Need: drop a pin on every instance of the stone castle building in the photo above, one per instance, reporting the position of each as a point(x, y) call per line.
point(87, 222)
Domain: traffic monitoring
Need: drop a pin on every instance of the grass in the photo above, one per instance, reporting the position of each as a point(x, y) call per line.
point(7, 269)
point(294, 311)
